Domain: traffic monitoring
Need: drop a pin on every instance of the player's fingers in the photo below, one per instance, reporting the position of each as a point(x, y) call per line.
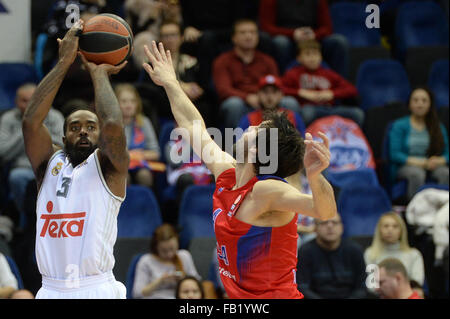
point(75, 29)
point(169, 57)
point(83, 58)
point(162, 51)
point(149, 55)
point(148, 68)
point(325, 139)
point(156, 52)
point(322, 157)
point(322, 148)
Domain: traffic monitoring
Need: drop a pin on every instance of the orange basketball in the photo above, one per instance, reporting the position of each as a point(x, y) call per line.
point(106, 38)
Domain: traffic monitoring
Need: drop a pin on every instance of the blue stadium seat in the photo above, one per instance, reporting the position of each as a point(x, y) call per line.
point(164, 137)
point(139, 215)
point(349, 19)
point(15, 271)
point(364, 176)
point(382, 81)
point(195, 216)
point(438, 82)
point(432, 185)
point(131, 274)
point(360, 207)
point(13, 75)
point(420, 23)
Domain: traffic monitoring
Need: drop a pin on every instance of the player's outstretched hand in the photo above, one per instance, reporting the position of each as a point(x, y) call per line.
point(317, 155)
point(160, 67)
point(102, 68)
point(68, 46)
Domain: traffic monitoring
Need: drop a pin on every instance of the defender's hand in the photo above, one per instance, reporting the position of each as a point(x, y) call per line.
point(160, 67)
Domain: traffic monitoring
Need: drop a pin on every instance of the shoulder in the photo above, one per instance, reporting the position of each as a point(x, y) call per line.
point(226, 178)
point(227, 55)
point(353, 247)
point(184, 254)
point(263, 56)
point(401, 122)
point(10, 115)
point(271, 186)
point(414, 253)
point(308, 248)
point(146, 259)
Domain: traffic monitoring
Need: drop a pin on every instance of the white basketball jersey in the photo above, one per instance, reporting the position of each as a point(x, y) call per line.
point(76, 220)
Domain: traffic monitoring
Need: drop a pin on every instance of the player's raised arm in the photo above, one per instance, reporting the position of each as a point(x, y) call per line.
point(114, 155)
point(38, 142)
point(284, 197)
point(185, 113)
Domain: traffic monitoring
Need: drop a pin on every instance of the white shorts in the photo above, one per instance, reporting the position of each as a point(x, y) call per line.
point(102, 286)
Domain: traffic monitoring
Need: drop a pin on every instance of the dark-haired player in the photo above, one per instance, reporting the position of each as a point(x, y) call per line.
point(254, 214)
point(81, 187)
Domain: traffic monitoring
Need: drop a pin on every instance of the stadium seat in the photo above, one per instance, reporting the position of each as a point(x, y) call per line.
point(131, 274)
point(444, 116)
point(364, 176)
point(15, 271)
point(349, 19)
point(419, 60)
point(431, 185)
point(124, 251)
point(438, 82)
point(420, 23)
point(359, 55)
point(195, 216)
point(381, 81)
point(140, 214)
point(360, 207)
point(200, 249)
point(13, 75)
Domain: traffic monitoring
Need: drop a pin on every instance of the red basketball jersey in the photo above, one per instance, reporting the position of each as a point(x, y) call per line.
point(254, 262)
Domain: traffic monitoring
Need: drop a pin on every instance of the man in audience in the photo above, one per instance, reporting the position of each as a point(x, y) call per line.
point(394, 282)
point(293, 21)
point(12, 149)
point(270, 95)
point(330, 267)
point(8, 283)
point(318, 88)
point(236, 73)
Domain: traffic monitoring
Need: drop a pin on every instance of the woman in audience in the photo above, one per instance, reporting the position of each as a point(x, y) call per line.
point(158, 271)
point(189, 288)
point(141, 138)
point(391, 241)
point(419, 144)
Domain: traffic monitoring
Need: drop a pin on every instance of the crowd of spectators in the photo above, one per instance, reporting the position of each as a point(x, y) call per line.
point(236, 60)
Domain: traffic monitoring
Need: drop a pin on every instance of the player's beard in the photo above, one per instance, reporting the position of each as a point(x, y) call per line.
point(78, 154)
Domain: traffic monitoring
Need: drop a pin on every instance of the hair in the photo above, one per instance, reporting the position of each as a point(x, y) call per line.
point(171, 21)
point(119, 88)
point(308, 44)
point(432, 123)
point(377, 246)
point(291, 147)
point(415, 285)
point(198, 282)
point(26, 85)
point(241, 21)
point(393, 266)
point(163, 233)
point(73, 110)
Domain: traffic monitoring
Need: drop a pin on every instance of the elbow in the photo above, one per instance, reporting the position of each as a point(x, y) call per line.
point(327, 214)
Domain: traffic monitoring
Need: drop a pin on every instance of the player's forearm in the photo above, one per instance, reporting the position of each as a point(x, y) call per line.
point(106, 104)
point(323, 197)
point(183, 110)
point(44, 95)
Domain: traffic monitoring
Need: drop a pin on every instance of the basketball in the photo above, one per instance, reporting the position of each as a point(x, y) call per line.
point(106, 38)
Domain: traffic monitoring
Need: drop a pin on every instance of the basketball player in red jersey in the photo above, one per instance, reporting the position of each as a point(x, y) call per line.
point(254, 215)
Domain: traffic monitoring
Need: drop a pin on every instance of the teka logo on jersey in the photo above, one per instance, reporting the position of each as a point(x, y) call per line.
point(62, 225)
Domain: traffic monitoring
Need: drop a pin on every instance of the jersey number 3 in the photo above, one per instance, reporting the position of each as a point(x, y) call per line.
point(64, 187)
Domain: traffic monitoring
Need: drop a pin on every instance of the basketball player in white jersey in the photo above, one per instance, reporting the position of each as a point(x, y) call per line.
point(81, 187)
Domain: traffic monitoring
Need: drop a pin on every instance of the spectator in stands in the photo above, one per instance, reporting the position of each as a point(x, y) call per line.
point(394, 282)
point(419, 144)
point(12, 149)
point(207, 30)
point(189, 287)
point(236, 74)
point(147, 15)
point(391, 241)
point(158, 271)
point(187, 70)
point(141, 137)
point(270, 95)
point(417, 288)
point(8, 282)
point(330, 267)
point(319, 89)
point(293, 21)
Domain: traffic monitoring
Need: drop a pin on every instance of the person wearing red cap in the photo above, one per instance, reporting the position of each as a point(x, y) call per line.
point(270, 96)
